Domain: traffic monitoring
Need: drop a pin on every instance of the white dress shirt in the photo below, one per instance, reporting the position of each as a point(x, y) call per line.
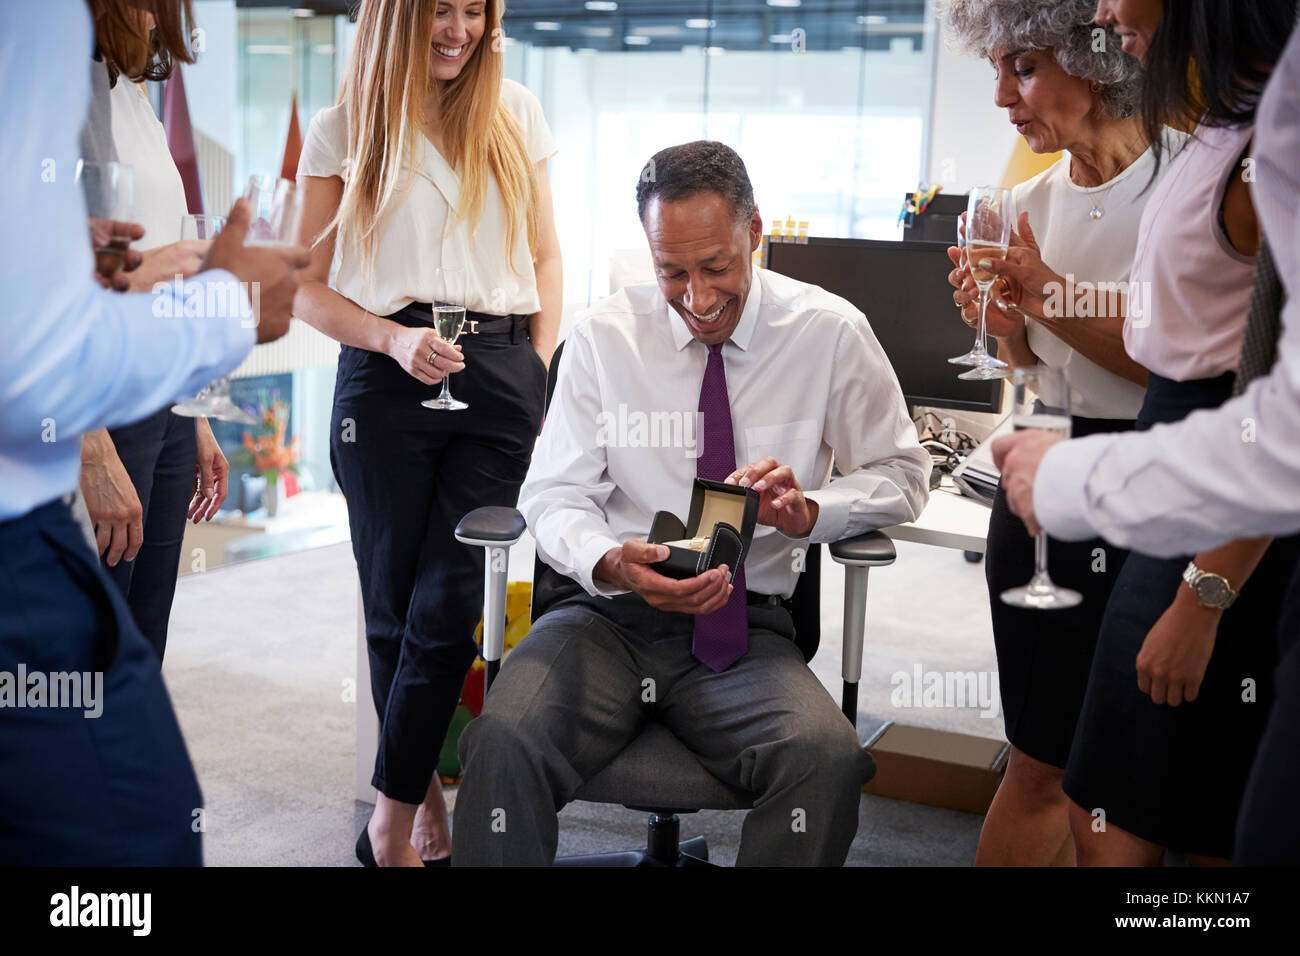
point(1219, 474)
point(74, 357)
point(808, 384)
point(415, 235)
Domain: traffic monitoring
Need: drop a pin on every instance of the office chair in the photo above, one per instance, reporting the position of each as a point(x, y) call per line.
point(656, 773)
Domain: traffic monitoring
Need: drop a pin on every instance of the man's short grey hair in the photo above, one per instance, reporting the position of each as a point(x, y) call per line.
point(1065, 26)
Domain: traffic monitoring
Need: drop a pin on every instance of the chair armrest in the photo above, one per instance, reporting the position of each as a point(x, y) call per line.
point(491, 526)
point(873, 549)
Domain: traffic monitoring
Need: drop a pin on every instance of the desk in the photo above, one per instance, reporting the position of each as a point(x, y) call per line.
point(950, 520)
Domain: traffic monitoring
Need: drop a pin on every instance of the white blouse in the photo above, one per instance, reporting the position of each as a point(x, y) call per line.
point(414, 236)
point(140, 140)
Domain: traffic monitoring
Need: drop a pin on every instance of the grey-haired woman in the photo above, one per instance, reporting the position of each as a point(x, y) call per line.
point(1067, 86)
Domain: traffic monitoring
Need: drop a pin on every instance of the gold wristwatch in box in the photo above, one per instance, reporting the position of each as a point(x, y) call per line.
point(1211, 590)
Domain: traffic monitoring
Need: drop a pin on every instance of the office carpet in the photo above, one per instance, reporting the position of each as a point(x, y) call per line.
point(260, 666)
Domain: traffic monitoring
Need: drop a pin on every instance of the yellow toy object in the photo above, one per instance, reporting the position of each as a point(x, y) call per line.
point(519, 601)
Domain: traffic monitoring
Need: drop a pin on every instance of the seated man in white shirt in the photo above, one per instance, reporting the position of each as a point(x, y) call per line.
point(787, 379)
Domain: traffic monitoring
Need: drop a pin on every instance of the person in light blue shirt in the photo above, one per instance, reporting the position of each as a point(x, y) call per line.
point(95, 770)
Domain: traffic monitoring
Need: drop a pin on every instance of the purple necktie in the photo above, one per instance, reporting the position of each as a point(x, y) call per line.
point(721, 638)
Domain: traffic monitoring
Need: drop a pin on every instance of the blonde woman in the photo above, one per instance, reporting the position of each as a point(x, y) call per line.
point(430, 159)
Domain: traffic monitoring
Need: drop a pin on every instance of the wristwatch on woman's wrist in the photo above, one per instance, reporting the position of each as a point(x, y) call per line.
point(1211, 590)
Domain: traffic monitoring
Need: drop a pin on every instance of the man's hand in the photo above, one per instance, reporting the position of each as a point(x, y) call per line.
point(629, 568)
point(1175, 654)
point(111, 499)
point(271, 272)
point(781, 503)
point(110, 240)
point(210, 475)
point(1018, 457)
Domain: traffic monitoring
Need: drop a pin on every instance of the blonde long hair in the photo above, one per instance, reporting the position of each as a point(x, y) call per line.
point(384, 88)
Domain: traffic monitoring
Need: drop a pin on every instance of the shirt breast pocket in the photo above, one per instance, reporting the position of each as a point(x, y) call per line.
point(792, 443)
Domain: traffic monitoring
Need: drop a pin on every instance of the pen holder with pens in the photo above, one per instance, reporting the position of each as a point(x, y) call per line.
point(718, 530)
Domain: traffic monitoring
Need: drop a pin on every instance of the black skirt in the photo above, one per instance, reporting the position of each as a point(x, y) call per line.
point(1044, 656)
point(1174, 776)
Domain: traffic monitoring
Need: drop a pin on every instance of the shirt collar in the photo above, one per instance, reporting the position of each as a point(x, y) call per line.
point(741, 335)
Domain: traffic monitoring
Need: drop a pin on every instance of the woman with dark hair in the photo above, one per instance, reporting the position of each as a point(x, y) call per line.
point(1065, 95)
point(140, 482)
point(1181, 683)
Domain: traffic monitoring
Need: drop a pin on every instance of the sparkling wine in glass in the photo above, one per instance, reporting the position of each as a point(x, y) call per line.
point(1042, 400)
point(109, 189)
point(213, 401)
point(988, 236)
point(448, 321)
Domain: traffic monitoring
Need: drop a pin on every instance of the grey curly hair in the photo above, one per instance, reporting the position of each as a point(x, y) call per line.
point(1064, 26)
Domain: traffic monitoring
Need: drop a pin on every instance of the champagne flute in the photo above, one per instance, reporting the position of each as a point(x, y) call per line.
point(988, 236)
point(214, 401)
point(275, 211)
point(1042, 400)
point(448, 320)
point(109, 190)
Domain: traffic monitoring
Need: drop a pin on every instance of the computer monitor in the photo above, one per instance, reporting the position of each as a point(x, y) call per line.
point(902, 288)
point(939, 221)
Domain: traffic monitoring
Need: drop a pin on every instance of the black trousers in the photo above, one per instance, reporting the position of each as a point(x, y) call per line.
point(1044, 659)
point(1268, 828)
point(158, 453)
point(99, 782)
point(410, 474)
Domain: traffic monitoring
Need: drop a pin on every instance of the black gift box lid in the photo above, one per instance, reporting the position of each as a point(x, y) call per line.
point(722, 515)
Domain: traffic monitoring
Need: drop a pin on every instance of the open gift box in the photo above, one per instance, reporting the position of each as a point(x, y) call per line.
point(718, 531)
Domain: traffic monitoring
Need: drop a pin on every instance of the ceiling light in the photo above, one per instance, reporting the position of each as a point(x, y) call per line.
point(546, 26)
point(701, 23)
point(636, 40)
point(601, 6)
point(785, 3)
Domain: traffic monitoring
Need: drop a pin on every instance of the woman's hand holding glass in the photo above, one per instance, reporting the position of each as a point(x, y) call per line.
point(1025, 282)
point(411, 348)
point(165, 263)
point(1002, 323)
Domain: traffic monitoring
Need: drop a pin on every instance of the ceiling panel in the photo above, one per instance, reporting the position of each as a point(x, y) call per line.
point(639, 26)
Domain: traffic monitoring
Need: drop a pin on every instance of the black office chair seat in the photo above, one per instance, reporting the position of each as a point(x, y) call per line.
point(658, 774)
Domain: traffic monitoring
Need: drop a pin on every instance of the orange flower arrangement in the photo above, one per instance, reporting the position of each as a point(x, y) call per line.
point(268, 451)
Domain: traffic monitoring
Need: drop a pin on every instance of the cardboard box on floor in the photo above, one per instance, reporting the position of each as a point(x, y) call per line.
point(936, 767)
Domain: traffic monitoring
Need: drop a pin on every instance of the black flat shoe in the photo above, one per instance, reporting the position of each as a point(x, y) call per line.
point(364, 851)
point(441, 861)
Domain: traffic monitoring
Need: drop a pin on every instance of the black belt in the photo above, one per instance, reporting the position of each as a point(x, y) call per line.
point(476, 323)
point(499, 325)
point(771, 600)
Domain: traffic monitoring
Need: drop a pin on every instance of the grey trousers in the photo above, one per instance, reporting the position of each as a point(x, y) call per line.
point(570, 697)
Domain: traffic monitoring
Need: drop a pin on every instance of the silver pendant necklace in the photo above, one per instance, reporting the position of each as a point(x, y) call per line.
point(1096, 212)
